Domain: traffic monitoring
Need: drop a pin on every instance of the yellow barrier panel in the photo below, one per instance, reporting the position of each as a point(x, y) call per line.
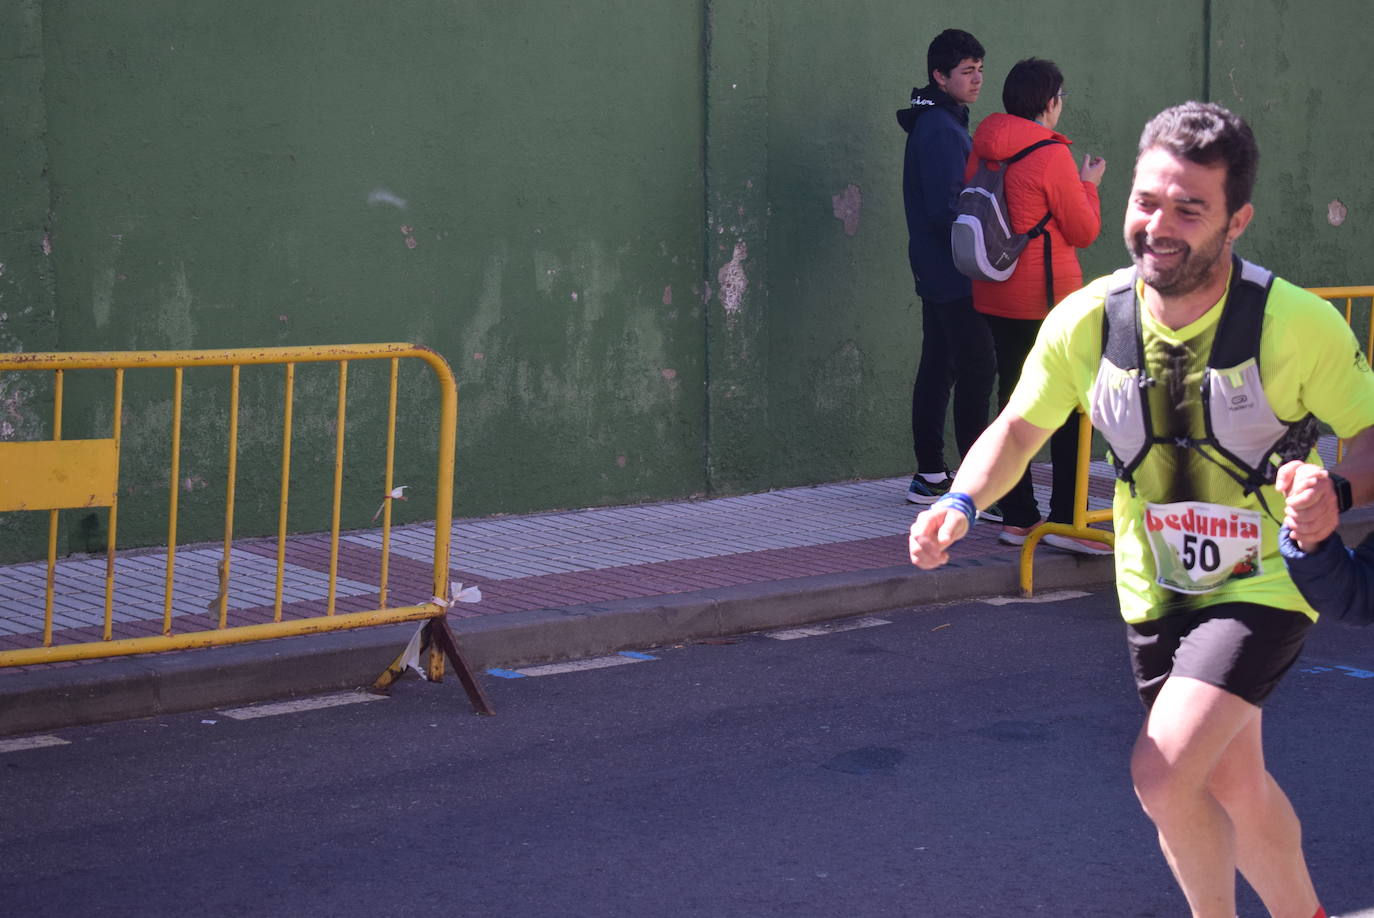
point(1082, 516)
point(55, 474)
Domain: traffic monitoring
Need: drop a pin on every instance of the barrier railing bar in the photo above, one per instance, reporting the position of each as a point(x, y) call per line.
point(96, 360)
point(443, 499)
point(214, 638)
point(52, 517)
point(172, 499)
point(340, 422)
point(1082, 516)
point(290, 388)
point(388, 484)
point(1350, 295)
point(117, 430)
point(230, 489)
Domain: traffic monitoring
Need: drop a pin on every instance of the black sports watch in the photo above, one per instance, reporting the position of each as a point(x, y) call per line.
point(1343, 499)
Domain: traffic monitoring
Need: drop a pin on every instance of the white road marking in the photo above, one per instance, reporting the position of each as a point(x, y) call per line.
point(30, 742)
point(314, 703)
point(1042, 597)
point(577, 666)
point(853, 624)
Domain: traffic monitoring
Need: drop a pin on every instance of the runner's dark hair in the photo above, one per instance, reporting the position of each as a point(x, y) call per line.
point(1208, 134)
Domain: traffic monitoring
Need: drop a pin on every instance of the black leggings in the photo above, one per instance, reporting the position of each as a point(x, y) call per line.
point(1012, 340)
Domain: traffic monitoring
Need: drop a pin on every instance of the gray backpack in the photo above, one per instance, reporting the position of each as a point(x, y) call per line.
point(984, 246)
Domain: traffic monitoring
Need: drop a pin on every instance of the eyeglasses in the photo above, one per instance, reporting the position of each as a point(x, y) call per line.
point(1061, 94)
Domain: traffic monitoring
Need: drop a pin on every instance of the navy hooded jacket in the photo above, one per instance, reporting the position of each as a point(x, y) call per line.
point(937, 148)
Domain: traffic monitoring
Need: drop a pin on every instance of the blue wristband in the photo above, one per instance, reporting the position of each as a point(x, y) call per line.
point(961, 502)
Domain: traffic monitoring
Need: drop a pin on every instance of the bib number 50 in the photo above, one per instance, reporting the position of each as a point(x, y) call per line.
point(1200, 553)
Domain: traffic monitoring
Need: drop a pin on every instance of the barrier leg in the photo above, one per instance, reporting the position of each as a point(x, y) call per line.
point(437, 642)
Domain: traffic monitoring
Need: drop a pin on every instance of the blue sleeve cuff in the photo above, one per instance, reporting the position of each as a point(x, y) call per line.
point(1324, 560)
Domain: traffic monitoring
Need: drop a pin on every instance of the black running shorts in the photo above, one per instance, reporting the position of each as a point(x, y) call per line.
point(1240, 647)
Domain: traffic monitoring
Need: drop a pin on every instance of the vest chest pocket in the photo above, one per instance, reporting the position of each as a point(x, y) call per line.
point(1115, 410)
point(1238, 414)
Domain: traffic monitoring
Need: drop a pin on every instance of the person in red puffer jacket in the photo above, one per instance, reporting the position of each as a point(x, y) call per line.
point(1046, 180)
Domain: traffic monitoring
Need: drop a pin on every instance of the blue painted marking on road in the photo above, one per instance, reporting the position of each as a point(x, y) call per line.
point(1352, 671)
point(505, 674)
point(637, 656)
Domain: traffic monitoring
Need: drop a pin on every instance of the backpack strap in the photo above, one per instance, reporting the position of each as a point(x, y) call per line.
point(1039, 228)
point(1028, 150)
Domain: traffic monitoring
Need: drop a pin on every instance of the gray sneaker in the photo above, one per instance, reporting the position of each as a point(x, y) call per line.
point(921, 491)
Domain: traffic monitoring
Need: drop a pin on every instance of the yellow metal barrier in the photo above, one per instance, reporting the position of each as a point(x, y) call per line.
point(1350, 295)
point(59, 474)
point(1082, 516)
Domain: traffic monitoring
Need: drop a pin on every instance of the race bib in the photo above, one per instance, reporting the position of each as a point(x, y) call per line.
point(1197, 546)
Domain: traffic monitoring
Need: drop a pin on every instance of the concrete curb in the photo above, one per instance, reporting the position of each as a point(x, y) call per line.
point(145, 686)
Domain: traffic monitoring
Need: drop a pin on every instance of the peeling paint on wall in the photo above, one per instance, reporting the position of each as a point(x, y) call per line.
point(103, 283)
point(383, 196)
point(547, 267)
point(12, 400)
point(732, 279)
point(1336, 212)
point(175, 328)
point(667, 293)
point(847, 205)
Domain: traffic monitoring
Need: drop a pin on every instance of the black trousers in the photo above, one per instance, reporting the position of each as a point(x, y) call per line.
point(1012, 340)
point(956, 355)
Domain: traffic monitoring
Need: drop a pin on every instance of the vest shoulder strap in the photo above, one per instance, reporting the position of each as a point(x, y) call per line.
point(1122, 341)
point(1242, 321)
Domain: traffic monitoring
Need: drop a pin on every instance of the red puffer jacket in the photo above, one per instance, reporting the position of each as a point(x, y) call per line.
point(1045, 180)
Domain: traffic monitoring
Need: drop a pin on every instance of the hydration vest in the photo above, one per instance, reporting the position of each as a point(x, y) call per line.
point(1239, 422)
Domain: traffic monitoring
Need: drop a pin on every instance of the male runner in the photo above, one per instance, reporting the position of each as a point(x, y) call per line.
point(1213, 620)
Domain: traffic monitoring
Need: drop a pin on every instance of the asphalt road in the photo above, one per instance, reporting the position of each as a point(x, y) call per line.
point(962, 760)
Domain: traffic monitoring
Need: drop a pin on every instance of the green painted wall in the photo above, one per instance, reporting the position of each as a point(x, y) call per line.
point(1300, 73)
point(27, 306)
point(661, 243)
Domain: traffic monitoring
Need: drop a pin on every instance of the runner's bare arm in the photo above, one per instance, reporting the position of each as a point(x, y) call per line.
point(992, 466)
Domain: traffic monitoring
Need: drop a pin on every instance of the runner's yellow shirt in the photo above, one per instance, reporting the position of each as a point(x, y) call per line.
point(1310, 363)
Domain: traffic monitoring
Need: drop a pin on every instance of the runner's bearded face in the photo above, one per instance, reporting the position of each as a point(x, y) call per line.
point(1177, 229)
